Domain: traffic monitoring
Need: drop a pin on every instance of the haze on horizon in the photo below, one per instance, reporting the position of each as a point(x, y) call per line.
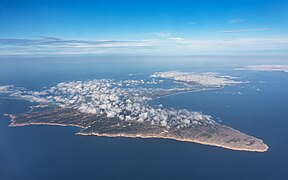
point(207, 27)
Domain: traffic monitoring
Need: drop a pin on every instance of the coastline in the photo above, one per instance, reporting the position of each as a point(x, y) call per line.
point(14, 124)
point(172, 138)
point(159, 136)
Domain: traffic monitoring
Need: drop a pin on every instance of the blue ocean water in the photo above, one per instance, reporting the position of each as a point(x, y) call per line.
point(258, 108)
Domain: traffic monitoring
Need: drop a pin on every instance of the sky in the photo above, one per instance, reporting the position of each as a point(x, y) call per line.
point(157, 27)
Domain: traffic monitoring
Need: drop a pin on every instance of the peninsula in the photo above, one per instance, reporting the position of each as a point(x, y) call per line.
point(209, 134)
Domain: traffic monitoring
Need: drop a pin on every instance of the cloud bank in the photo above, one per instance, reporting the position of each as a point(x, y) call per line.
point(165, 45)
point(127, 100)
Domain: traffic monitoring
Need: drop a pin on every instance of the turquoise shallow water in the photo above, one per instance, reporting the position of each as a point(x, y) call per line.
point(49, 152)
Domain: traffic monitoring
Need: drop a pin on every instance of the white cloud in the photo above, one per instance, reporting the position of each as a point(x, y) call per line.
point(233, 21)
point(177, 39)
point(6, 88)
point(244, 30)
point(161, 34)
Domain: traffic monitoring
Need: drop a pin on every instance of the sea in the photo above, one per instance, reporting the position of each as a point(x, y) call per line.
point(258, 108)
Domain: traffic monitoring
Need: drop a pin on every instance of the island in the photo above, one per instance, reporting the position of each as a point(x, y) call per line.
point(123, 109)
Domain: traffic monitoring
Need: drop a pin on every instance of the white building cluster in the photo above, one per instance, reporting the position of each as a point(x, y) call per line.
point(209, 79)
